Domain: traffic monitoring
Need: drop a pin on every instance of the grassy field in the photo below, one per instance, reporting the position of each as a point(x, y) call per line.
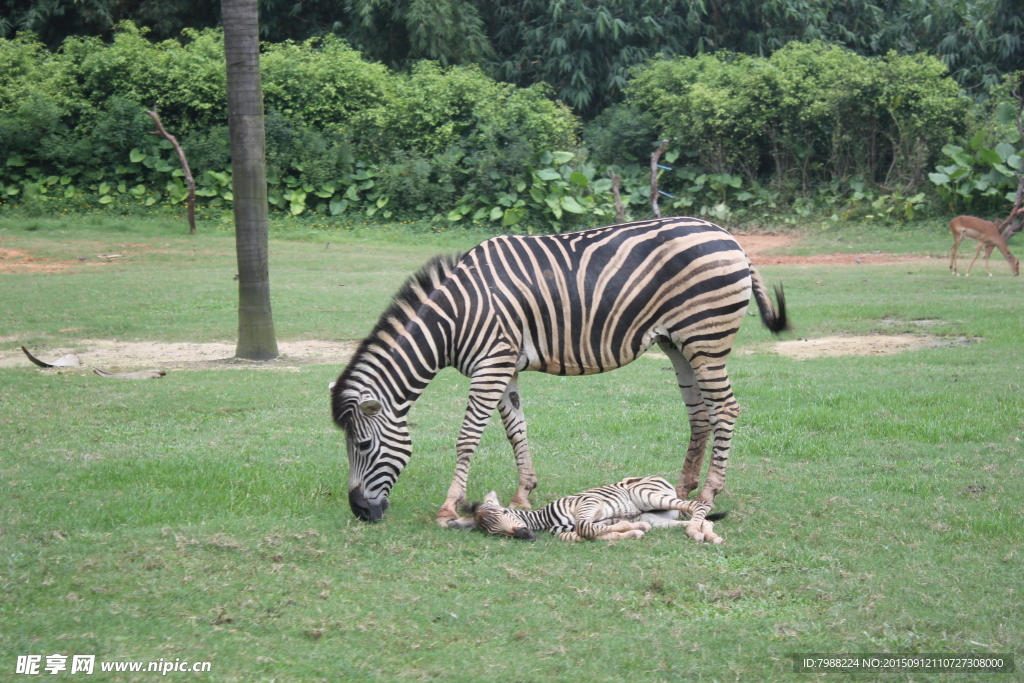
point(875, 502)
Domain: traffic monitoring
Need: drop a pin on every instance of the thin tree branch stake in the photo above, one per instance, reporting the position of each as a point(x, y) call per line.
point(620, 211)
point(184, 167)
point(654, 177)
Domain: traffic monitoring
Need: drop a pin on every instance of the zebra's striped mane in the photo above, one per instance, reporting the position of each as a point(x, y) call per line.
point(409, 296)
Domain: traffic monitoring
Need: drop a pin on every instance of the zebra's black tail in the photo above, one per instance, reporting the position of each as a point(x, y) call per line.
point(471, 508)
point(715, 516)
point(773, 318)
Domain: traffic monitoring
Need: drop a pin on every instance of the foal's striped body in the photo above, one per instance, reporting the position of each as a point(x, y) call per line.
point(626, 509)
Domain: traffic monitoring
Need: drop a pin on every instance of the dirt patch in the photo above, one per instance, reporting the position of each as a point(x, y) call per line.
point(859, 345)
point(863, 345)
point(759, 246)
point(112, 354)
point(18, 261)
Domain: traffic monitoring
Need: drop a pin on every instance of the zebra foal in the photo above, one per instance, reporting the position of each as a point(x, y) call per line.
point(572, 304)
point(627, 509)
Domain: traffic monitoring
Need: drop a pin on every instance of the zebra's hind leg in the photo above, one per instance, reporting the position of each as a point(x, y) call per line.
point(697, 413)
point(669, 519)
point(694, 509)
point(588, 531)
point(706, 354)
point(513, 418)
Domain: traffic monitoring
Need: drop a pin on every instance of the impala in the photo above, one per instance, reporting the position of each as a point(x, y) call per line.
point(988, 237)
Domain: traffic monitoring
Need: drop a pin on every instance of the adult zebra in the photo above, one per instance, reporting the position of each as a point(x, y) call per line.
point(572, 304)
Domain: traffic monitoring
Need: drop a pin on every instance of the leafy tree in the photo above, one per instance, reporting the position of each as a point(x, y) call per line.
point(400, 32)
point(55, 20)
point(585, 50)
point(979, 41)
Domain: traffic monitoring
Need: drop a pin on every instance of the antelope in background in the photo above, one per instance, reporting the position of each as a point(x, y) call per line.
point(988, 237)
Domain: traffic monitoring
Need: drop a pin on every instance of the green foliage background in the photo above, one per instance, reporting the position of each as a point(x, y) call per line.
point(583, 50)
point(813, 127)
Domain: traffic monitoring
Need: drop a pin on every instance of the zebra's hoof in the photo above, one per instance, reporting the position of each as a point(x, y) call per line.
point(446, 520)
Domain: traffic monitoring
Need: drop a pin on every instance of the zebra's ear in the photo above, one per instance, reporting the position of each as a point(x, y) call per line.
point(368, 405)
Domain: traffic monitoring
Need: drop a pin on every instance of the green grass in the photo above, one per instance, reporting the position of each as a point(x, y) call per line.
point(204, 517)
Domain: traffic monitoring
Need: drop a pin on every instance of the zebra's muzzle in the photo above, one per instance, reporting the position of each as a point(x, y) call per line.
point(365, 510)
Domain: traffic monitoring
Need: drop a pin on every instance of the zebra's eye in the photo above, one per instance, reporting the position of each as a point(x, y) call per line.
point(365, 445)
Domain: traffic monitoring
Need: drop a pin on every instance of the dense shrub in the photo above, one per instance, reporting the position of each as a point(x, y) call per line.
point(979, 173)
point(809, 114)
point(341, 131)
point(813, 127)
point(621, 135)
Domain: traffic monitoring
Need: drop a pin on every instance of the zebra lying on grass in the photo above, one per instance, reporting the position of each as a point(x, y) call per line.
point(573, 304)
point(627, 509)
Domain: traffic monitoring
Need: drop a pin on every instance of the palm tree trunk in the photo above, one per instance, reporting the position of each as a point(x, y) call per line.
point(256, 340)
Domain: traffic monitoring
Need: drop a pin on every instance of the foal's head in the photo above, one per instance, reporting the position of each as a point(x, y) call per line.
point(492, 518)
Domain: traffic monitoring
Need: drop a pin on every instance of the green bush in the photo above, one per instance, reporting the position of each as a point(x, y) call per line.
point(813, 127)
point(621, 135)
point(342, 133)
point(809, 114)
point(323, 83)
point(978, 172)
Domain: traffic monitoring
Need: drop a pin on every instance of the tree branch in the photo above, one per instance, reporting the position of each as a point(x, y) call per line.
point(184, 167)
point(655, 156)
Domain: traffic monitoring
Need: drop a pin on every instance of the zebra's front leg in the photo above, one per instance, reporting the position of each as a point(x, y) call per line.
point(513, 418)
point(697, 414)
point(486, 387)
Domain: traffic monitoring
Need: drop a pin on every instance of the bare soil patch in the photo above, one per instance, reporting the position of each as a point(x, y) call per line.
point(759, 246)
point(113, 354)
point(855, 345)
point(863, 345)
point(19, 261)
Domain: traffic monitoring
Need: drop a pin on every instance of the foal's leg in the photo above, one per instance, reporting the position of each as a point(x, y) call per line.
point(607, 532)
point(666, 520)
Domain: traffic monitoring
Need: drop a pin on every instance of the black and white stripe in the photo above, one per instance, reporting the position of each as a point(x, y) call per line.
point(626, 509)
point(572, 304)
